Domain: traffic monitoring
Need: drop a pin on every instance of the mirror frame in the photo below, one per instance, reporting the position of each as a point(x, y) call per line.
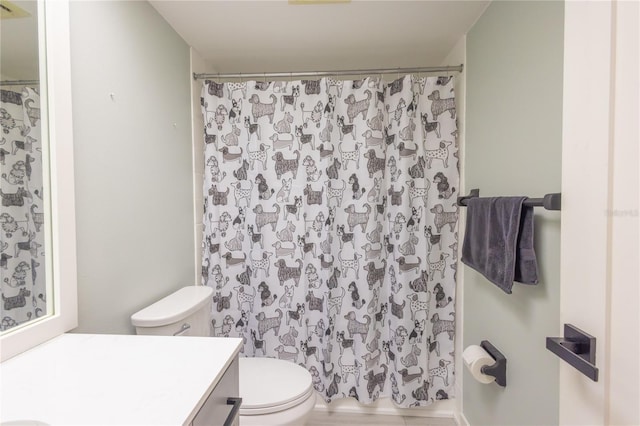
point(55, 65)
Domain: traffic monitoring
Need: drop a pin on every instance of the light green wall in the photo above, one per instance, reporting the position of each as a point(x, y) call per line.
point(133, 162)
point(513, 147)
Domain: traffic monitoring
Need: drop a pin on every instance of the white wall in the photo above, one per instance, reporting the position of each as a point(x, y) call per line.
point(133, 162)
point(513, 147)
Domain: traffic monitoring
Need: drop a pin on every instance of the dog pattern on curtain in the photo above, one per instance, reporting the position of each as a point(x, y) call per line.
point(22, 268)
point(330, 229)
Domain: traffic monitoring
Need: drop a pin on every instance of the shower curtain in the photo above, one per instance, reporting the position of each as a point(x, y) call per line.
point(330, 229)
point(22, 267)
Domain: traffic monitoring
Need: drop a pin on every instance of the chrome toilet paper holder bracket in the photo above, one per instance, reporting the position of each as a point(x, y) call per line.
point(499, 368)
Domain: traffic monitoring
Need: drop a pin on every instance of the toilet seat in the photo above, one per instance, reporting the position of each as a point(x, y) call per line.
point(270, 385)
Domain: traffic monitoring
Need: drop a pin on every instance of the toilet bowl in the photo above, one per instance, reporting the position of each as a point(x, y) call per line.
point(273, 391)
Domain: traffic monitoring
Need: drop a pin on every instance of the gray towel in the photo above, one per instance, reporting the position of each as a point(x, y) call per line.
point(498, 241)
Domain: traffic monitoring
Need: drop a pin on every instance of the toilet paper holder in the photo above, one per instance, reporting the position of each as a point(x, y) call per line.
point(499, 368)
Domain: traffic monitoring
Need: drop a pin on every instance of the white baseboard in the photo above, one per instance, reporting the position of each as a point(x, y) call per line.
point(461, 420)
point(384, 406)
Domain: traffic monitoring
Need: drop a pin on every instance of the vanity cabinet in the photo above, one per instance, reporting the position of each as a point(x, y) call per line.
point(222, 405)
point(82, 379)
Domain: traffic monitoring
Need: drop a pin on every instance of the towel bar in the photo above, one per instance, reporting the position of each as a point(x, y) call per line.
point(549, 201)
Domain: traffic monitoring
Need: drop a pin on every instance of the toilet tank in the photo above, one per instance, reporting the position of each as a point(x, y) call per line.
point(183, 313)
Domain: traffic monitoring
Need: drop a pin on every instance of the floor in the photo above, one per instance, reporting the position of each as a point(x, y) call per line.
point(319, 418)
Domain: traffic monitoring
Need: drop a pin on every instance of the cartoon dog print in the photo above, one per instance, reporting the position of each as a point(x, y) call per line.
point(356, 301)
point(442, 183)
point(284, 125)
point(429, 126)
point(258, 109)
point(346, 264)
point(438, 105)
point(347, 156)
point(282, 250)
point(376, 380)
point(305, 138)
point(334, 303)
point(245, 298)
point(335, 193)
point(283, 165)
point(260, 155)
point(267, 323)
point(355, 218)
point(443, 217)
point(356, 327)
point(264, 192)
point(440, 153)
point(437, 266)
point(291, 99)
point(356, 107)
point(375, 275)
point(252, 129)
point(314, 115)
point(261, 263)
point(416, 305)
point(296, 314)
point(350, 369)
point(287, 273)
point(266, 218)
point(374, 164)
point(345, 129)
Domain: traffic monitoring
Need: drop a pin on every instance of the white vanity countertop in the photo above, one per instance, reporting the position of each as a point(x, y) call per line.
point(88, 379)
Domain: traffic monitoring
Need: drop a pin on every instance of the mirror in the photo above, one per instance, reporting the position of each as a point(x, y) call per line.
point(61, 314)
point(24, 279)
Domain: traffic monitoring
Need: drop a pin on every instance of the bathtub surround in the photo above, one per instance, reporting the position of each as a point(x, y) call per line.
point(329, 229)
point(22, 239)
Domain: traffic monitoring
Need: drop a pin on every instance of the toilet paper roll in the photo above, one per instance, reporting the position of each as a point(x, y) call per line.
point(475, 358)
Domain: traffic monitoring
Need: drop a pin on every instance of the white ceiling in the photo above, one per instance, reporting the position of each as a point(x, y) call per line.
point(270, 36)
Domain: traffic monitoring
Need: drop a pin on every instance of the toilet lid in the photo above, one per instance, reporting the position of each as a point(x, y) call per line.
point(268, 385)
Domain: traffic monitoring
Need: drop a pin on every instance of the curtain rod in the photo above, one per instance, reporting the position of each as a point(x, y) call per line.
point(19, 82)
point(450, 68)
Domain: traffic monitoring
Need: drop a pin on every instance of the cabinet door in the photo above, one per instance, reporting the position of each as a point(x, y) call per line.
point(216, 410)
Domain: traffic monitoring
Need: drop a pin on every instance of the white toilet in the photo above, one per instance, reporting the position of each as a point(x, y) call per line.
point(273, 391)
